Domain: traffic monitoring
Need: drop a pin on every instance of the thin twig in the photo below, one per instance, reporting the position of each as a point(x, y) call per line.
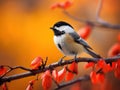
point(99, 8)
point(13, 68)
point(101, 21)
point(78, 19)
point(98, 22)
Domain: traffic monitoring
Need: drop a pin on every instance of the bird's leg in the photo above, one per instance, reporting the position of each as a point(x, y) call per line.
point(75, 58)
point(61, 59)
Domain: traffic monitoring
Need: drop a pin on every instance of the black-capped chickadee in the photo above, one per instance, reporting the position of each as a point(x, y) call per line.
point(69, 42)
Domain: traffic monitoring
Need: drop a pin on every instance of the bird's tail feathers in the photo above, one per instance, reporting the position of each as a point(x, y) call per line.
point(93, 54)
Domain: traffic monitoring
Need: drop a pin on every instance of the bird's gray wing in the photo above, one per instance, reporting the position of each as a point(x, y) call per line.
point(79, 40)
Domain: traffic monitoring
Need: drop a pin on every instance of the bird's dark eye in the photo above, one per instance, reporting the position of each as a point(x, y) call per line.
point(63, 32)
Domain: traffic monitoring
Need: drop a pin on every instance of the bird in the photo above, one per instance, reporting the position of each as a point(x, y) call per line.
point(69, 42)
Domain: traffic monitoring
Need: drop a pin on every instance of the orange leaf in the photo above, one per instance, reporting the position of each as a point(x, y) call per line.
point(46, 80)
point(85, 32)
point(3, 70)
point(69, 76)
point(36, 63)
point(61, 74)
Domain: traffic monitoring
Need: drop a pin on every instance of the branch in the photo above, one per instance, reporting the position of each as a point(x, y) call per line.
point(54, 65)
point(84, 78)
point(98, 22)
point(13, 68)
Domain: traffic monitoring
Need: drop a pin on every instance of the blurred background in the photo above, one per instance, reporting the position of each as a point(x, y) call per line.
point(25, 34)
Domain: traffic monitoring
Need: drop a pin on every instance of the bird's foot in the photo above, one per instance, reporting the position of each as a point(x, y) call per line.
point(61, 60)
point(75, 58)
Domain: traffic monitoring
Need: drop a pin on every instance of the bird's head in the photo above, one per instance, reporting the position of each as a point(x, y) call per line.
point(61, 28)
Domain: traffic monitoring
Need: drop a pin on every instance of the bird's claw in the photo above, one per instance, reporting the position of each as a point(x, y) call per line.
point(60, 61)
point(75, 58)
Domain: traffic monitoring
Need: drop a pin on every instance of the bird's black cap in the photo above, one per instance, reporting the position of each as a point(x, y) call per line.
point(61, 23)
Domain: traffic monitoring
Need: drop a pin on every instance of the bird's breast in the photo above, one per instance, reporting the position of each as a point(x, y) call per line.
point(67, 45)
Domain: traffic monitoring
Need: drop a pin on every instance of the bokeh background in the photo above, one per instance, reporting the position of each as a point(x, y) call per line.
point(25, 33)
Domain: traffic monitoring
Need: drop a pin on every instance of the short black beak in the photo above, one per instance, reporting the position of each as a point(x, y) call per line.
point(51, 28)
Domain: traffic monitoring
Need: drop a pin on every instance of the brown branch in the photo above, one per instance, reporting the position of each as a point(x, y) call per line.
point(54, 65)
point(13, 68)
point(101, 21)
point(98, 22)
point(84, 78)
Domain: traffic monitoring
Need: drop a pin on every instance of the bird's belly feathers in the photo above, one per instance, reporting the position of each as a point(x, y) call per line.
point(67, 45)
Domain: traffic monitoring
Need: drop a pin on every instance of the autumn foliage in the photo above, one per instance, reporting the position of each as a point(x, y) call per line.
point(3, 70)
point(62, 5)
point(36, 63)
point(68, 72)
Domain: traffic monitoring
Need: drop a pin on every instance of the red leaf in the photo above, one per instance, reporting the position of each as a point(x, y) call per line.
point(69, 76)
point(46, 80)
point(89, 64)
point(3, 70)
point(67, 4)
point(107, 68)
point(85, 32)
point(100, 77)
point(62, 5)
point(117, 73)
point(36, 63)
point(117, 70)
point(4, 86)
point(55, 75)
point(113, 65)
point(74, 67)
point(101, 63)
point(30, 85)
point(114, 50)
point(61, 74)
point(55, 5)
point(93, 77)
